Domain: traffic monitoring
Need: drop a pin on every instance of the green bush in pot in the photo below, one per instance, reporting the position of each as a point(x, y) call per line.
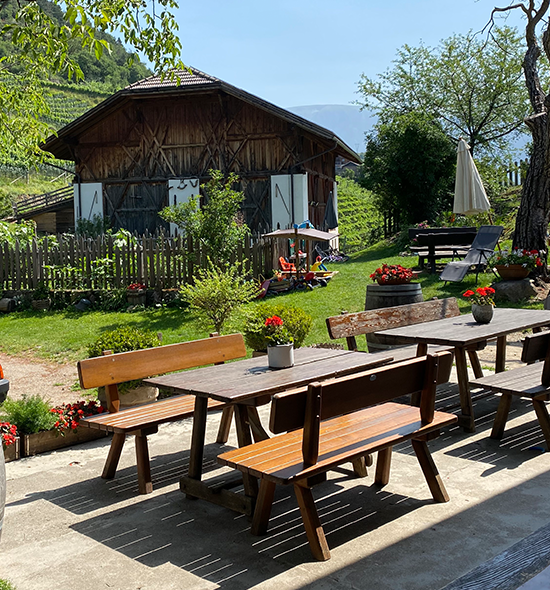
point(124, 339)
point(296, 321)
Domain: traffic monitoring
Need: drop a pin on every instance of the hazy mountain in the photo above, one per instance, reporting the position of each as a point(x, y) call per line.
point(347, 121)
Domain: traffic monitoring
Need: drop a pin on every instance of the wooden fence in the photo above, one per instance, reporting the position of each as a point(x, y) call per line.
point(70, 262)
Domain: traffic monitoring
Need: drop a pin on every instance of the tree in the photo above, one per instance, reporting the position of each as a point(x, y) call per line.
point(533, 214)
point(472, 87)
point(410, 164)
point(41, 48)
point(217, 225)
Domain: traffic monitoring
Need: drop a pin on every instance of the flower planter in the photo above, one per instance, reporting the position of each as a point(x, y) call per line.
point(41, 304)
point(394, 282)
point(512, 272)
point(136, 296)
point(51, 440)
point(131, 397)
point(280, 356)
point(12, 452)
point(483, 314)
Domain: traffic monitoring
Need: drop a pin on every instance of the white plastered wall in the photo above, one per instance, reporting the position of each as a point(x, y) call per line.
point(88, 201)
point(180, 190)
point(281, 199)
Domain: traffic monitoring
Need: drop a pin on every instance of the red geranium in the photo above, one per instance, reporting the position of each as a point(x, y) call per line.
point(68, 415)
point(392, 272)
point(136, 287)
point(481, 296)
point(8, 433)
point(275, 333)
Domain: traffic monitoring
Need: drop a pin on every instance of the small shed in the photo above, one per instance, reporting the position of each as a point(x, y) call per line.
point(154, 142)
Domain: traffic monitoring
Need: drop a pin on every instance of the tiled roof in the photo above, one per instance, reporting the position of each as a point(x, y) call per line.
point(173, 80)
point(183, 81)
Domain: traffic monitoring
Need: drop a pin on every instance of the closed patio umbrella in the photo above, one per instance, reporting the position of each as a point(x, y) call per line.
point(470, 196)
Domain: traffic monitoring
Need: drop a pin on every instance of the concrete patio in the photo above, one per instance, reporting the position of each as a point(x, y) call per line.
point(67, 528)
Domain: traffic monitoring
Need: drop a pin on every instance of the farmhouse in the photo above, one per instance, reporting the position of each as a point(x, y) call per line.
point(153, 143)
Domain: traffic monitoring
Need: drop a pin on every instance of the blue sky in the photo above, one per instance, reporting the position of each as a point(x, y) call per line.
point(306, 52)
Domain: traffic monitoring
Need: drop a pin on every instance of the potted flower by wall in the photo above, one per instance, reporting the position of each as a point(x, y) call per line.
point(136, 294)
point(296, 321)
point(516, 264)
point(482, 303)
point(41, 297)
point(125, 339)
point(280, 344)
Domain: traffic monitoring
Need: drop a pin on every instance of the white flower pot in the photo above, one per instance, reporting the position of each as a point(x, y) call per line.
point(280, 356)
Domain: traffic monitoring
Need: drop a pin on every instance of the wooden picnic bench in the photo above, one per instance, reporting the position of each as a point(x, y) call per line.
point(434, 246)
point(338, 421)
point(531, 381)
point(351, 325)
point(140, 421)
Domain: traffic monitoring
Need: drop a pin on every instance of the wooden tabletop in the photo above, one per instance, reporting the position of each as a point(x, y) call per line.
point(464, 330)
point(246, 379)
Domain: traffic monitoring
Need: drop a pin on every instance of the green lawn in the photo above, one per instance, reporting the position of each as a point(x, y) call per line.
point(64, 335)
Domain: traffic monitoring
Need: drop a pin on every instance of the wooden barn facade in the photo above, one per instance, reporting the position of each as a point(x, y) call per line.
point(154, 142)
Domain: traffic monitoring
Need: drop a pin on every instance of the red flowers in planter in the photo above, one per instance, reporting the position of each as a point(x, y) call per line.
point(137, 287)
point(69, 415)
point(8, 433)
point(392, 274)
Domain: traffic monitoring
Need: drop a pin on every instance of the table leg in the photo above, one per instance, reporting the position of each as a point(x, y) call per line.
point(244, 438)
point(466, 420)
point(476, 365)
point(501, 354)
point(197, 438)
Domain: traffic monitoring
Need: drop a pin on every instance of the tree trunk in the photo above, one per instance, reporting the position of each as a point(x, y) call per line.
point(533, 214)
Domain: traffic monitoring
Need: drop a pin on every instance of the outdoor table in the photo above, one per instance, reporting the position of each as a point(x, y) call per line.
point(466, 335)
point(247, 384)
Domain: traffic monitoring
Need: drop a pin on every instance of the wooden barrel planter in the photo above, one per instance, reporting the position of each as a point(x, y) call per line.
point(379, 296)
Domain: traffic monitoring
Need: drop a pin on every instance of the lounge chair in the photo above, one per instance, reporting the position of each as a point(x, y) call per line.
point(478, 255)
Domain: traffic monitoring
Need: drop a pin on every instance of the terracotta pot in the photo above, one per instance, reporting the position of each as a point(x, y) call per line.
point(483, 314)
point(512, 272)
point(280, 356)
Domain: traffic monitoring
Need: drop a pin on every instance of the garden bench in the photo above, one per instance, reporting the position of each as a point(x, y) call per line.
point(340, 420)
point(350, 325)
point(140, 421)
point(531, 381)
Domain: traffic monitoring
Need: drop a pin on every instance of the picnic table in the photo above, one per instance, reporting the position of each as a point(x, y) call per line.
point(247, 384)
point(467, 336)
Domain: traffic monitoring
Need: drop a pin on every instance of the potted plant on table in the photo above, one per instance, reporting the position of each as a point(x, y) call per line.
point(295, 320)
point(126, 339)
point(516, 264)
point(280, 344)
point(482, 303)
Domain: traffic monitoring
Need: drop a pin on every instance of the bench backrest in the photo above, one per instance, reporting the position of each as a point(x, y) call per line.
point(417, 231)
point(112, 369)
point(350, 325)
point(335, 397)
point(537, 348)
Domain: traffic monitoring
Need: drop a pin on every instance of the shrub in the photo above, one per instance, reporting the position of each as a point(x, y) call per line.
point(30, 414)
point(218, 293)
point(123, 339)
point(296, 320)
point(6, 585)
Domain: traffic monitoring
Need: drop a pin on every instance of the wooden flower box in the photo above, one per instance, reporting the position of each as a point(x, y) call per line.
point(13, 452)
point(51, 440)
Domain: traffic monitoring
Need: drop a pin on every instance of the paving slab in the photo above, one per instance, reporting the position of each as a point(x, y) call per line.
point(65, 527)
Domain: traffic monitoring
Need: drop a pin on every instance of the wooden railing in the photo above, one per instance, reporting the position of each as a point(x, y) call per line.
point(71, 262)
point(42, 201)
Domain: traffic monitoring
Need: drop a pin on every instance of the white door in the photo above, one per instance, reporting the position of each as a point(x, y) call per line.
point(179, 191)
point(88, 201)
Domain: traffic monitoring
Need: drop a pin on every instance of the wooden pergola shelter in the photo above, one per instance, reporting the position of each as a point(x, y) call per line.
point(157, 135)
